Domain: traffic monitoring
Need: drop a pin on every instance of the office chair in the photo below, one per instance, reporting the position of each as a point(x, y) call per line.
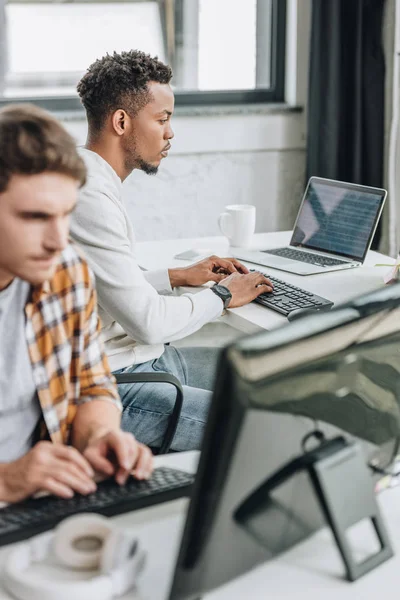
point(176, 411)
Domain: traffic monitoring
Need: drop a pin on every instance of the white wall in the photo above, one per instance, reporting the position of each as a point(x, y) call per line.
point(190, 192)
point(219, 160)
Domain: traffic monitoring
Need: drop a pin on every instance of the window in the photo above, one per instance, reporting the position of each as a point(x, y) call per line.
point(220, 50)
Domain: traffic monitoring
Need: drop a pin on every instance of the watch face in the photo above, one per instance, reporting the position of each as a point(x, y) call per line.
point(223, 293)
point(221, 289)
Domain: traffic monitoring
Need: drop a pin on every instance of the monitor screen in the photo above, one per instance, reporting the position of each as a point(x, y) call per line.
point(339, 218)
point(339, 370)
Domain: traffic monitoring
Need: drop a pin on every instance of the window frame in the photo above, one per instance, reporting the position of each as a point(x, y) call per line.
point(274, 94)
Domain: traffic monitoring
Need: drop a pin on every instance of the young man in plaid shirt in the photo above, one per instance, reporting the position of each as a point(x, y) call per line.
point(59, 408)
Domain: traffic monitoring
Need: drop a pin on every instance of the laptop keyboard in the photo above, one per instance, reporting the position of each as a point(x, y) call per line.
point(287, 297)
point(307, 257)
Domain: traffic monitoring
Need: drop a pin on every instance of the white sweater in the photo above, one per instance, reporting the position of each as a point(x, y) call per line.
point(137, 315)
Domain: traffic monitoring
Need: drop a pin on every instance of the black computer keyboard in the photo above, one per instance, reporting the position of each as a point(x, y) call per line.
point(307, 257)
point(22, 520)
point(287, 297)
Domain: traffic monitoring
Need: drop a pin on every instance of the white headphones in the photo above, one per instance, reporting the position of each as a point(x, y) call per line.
point(85, 541)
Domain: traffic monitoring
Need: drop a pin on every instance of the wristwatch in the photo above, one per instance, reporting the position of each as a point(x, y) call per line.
point(222, 292)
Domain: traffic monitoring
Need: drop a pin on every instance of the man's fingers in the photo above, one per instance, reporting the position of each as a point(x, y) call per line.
point(71, 454)
point(263, 289)
point(74, 482)
point(87, 483)
point(217, 277)
point(124, 451)
point(98, 461)
point(260, 279)
point(238, 266)
point(53, 486)
point(230, 265)
point(124, 447)
point(141, 460)
point(261, 284)
point(122, 475)
point(131, 453)
point(133, 450)
point(145, 463)
point(128, 453)
point(223, 263)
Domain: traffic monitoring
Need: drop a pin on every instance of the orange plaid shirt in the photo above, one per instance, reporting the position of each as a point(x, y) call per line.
point(63, 334)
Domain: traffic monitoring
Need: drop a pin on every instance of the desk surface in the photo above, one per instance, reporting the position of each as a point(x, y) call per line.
point(159, 531)
point(338, 286)
point(310, 571)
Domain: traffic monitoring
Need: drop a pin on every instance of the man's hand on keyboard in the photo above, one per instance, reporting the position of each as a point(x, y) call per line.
point(245, 288)
point(117, 453)
point(212, 268)
point(54, 468)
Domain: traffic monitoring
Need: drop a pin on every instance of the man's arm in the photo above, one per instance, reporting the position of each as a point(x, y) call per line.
point(99, 226)
point(92, 420)
point(123, 291)
point(97, 435)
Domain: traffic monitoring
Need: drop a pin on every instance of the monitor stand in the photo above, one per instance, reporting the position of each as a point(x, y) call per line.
point(343, 490)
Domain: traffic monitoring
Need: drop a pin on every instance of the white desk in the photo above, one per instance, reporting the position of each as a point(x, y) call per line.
point(312, 570)
point(337, 286)
point(159, 530)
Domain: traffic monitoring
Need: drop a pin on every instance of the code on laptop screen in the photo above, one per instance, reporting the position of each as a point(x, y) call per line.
point(338, 219)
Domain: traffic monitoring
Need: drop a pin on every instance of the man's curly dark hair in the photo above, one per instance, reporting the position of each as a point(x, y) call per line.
point(119, 81)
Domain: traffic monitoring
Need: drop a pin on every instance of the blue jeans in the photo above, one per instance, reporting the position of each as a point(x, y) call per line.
point(147, 406)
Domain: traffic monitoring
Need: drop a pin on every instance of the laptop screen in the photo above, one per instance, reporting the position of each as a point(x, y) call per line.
point(339, 218)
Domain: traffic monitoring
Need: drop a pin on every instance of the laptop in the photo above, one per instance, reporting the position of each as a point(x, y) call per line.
point(333, 230)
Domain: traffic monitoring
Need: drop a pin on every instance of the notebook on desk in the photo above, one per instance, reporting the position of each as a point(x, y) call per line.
point(334, 229)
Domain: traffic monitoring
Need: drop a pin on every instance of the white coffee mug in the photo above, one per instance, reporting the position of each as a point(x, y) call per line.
point(238, 223)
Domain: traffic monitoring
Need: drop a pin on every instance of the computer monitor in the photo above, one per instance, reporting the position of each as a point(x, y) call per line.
point(336, 371)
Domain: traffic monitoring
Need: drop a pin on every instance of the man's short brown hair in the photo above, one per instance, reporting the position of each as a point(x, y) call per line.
point(33, 142)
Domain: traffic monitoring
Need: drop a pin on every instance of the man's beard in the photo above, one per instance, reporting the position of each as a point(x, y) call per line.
point(132, 161)
point(147, 167)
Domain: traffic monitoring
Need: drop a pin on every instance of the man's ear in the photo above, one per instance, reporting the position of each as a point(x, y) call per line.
point(120, 121)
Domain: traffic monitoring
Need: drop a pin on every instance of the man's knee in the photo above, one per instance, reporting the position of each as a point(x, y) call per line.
point(159, 398)
point(147, 416)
